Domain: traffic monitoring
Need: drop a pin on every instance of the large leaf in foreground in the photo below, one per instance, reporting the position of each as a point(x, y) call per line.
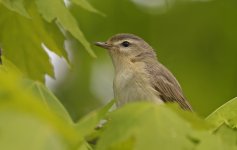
point(63, 16)
point(20, 130)
point(227, 114)
point(48, 98)
point(221, 139)
point(87, 124)
point(17, 6)
point(27, 25)
point(228, 135)
point(86, 5)
point(27, 124)
point(147, 126)
point(21, 39)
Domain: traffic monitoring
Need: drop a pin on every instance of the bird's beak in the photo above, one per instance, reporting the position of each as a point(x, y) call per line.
point(103, 45)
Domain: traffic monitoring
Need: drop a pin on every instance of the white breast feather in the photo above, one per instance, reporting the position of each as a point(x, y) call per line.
point(132, 84)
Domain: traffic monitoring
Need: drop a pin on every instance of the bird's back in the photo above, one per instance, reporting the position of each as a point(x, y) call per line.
point(165, 83)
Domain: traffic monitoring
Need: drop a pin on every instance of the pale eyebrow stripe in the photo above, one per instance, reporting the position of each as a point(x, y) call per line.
point(129, 40)
point(125, 37)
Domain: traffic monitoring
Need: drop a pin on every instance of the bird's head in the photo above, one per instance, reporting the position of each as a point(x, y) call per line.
point(127, 47)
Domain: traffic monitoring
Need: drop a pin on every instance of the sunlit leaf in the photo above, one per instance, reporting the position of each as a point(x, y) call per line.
point(88, 123)
point(22, 39)
point(30, 33)
point(62, 15)
point(21, 131)
point(27, 124)
point(223, 138)
point(8, 66)
point(228, 135)
point(48, 98)
point(86, 5)
point(16, 5)
point(147, 126)
point(227, 114)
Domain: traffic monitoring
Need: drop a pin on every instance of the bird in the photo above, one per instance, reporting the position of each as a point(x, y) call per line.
point(139, 76)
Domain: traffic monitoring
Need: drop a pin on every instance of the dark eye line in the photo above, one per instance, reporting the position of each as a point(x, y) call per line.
point(126, 44)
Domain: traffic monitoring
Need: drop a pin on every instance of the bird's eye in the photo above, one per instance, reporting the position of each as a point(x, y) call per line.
point(125, 44)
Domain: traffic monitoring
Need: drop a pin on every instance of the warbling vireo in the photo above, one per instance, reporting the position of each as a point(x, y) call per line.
point(139, 76)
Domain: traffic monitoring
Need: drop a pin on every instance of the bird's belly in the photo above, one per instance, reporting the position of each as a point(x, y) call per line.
point(130, 86)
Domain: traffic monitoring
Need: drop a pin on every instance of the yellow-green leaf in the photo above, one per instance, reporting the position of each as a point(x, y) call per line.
point(22, 39)
point(86, 5)
point(147, 126)
point(227, 114)
point(62, 15)
point(17, 6)
point(87, 124)
point(27, 124)
point(48, 98)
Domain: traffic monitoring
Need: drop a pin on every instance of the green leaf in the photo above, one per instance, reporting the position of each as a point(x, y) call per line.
point(211, 142)
point(21, 131)
point(147, 126)
point(87, 124)
point(228, 135)
point(196, 122)
point(86, 5)
point(29, 31)
point(48, 98)
point(17, 6)
point(8, 66)
point(227, 114)
point(62, 15)
point(223, 138)
point(22, 39)
point(27, 124)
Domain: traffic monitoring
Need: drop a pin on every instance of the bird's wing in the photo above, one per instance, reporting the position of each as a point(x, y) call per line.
point(167, 86)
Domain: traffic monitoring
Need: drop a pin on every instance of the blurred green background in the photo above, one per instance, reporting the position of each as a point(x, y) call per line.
point(196, 40)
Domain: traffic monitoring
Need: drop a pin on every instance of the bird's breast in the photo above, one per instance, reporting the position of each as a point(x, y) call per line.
point(132, 84)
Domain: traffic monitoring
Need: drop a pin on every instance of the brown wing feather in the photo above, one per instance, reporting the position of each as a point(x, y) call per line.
point(168, 87)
